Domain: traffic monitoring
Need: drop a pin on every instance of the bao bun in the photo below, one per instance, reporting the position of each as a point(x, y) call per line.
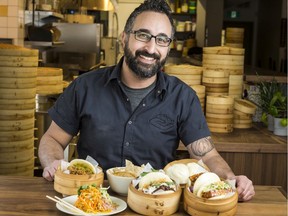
point(179, 173)
point(151, 182)
point(83, 163)
point(204, 180)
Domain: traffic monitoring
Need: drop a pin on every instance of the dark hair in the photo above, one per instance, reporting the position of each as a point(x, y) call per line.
point(159, 6)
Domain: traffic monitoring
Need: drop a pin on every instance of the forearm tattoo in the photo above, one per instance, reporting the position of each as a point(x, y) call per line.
point(202, 146)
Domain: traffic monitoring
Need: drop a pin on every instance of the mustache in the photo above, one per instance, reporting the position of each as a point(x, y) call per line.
point(145, 53)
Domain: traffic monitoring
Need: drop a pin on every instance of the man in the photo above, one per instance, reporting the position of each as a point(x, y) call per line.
point(133, 110)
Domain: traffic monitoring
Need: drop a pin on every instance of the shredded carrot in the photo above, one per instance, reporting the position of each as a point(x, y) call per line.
point(94, 200)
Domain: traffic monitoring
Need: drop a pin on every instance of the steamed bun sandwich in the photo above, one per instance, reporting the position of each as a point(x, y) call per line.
point(207, 194)
point(70, 176)
point(208, 185)
point(156, 183)
point(154, 193)
point(181, 172)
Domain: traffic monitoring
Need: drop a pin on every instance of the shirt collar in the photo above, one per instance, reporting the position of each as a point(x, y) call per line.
point(160, 84)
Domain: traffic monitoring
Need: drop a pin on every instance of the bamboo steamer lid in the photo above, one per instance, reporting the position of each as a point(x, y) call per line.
point(223, 50)
point(17, 72)
point(147, 204)
point(183, 69)
point(220, 100)
point(194, 205)
point(53, 80)
point(49, 89)
point(245, 106)
point(215, 73)
point(17, 114)
point(15, 83)
point(199, 89)
point(68, 184)
point(16, 125)
point(14, 50)
point(13, 94)
point(49, 71)
point(220, 128)
point(17, 104)
point(16, 135)
point(17, 144)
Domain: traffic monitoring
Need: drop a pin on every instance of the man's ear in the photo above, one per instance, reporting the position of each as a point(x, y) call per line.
point(123, 36)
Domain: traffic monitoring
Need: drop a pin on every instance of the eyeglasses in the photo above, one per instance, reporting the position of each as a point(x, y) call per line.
point(160, 40)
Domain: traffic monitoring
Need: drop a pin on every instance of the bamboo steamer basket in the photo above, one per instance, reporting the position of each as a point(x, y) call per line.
point(217, 89)
point(220, 128)
point(19, 63)
point(226, 58)
point(147, 204)
point(223, 50)
point(17, 104)
point(242, 126)
point(217, 94)
point(240, 115)
point(219, 108)
point(215, 80)
point(18, 72)
point(16, 125)
point(68, 184)
point(215, 73)
point(236, 79)
point(17, 166)
point(245, 106)
point(242, 121)
point(220, 100)
point(15, 83)
point(194, 205)
point(183, 69)
point(21, 155)
point(7, 136)
point(17, 114)
point(14, 50)
point(49, 81)
point(16, 144)
point(13, 94)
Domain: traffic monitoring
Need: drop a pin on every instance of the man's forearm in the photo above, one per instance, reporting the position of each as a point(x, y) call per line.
point(204, 149)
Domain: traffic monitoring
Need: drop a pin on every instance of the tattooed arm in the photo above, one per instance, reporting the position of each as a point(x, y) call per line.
point(204, 149)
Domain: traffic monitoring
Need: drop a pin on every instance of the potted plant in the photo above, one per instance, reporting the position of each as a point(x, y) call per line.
point(267, 91)
point(278, 109)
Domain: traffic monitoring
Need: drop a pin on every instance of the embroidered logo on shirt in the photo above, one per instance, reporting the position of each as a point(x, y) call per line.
point(162, 121)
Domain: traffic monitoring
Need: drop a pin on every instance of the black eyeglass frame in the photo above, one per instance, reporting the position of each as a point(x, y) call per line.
point(151, 36)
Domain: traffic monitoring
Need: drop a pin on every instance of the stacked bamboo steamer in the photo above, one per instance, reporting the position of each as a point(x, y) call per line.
point(18, 71)
point(219, 113)
point(223, 69)
point(234, 37)
point(189, 74)
point(200, 92)
point(49, 81)
point(243, 113)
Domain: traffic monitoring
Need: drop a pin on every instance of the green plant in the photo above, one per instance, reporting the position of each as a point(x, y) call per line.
point(278, 105)
point(267, 91)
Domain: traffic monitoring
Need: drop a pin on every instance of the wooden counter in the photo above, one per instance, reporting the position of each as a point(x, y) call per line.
point(26, 196)
point(254, 75)
point(254, 152)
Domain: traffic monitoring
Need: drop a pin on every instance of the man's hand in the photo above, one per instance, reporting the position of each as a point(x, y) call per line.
point(49, 172)
point(245, 188)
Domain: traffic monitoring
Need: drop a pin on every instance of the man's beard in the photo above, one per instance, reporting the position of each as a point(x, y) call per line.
point(141, 69)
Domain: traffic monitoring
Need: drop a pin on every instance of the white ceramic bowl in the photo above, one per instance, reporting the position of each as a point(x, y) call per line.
point(118, 184)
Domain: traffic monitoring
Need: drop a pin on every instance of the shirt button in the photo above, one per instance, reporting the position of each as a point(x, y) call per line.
point(143, 104)
point(158, 91)
point(127, 144)
point(130, 122)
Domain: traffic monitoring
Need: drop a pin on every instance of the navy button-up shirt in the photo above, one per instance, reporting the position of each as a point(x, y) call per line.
point(96, 106)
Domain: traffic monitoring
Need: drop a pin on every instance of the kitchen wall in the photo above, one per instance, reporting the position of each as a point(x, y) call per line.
point(12, 21)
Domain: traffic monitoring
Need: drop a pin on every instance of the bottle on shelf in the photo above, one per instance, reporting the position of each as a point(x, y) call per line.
point(184, 6)
point(192, 7)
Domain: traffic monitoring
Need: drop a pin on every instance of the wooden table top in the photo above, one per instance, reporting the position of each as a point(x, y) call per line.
point(26, 196)
point(256, 139)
